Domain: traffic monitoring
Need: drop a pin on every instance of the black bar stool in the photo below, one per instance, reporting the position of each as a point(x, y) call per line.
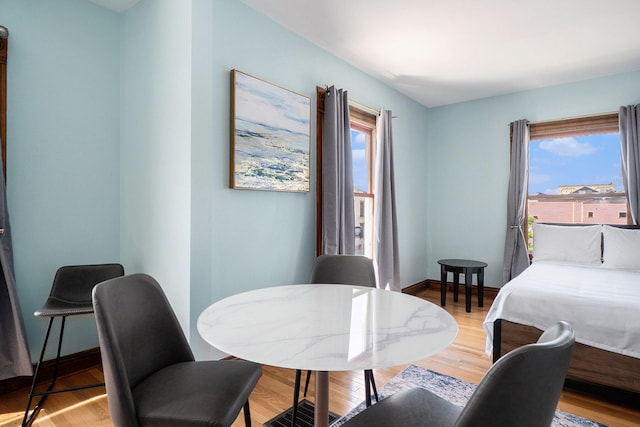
point(70, 296)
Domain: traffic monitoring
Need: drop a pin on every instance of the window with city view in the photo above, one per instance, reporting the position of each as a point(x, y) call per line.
point(575, 174)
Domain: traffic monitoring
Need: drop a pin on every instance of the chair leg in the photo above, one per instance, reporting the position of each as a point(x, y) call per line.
point(306, 384)
point(27, 420)
point(296, 397)
point(367, 389)
point(369, 382)
point(247, 414)
point(372, 380)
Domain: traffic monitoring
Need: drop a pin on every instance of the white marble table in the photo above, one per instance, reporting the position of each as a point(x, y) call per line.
point(327, 328)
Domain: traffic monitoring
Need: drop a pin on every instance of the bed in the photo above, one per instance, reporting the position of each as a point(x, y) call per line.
point(590, 277)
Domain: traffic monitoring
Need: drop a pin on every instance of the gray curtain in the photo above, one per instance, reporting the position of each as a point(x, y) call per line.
point(630, 157)
point(14, 351)
point(338, 220)
point(516, 258)
point(385, 235)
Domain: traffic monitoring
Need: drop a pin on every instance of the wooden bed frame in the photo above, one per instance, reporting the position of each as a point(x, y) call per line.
point(609, 372)
point(589, 366)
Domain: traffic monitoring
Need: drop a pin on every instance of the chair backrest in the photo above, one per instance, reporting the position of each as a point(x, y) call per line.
point(73, 283)
point(343, 269)
point(138, 334)
point(523, 387)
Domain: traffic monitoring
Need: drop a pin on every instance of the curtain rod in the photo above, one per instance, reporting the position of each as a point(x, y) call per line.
point(357, 104)
point(364, 107)
point(361, 105)
point(570, 118)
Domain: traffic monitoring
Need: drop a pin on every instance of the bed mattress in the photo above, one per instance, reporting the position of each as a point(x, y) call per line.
point(601, 304)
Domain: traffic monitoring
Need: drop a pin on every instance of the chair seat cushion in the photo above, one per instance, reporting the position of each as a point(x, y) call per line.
point(58, 307)
point(182, 394)
point(413, 407)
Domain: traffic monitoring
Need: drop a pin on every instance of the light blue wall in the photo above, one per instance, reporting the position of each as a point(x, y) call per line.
point(155, 140)
point(63, 148)
point(118, 148)
point(253, 239)
point(133, 110)
point(202, 172)
point(468, 163)
point(268, 237)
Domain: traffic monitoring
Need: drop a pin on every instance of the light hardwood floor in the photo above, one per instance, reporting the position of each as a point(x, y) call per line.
point(464, 359)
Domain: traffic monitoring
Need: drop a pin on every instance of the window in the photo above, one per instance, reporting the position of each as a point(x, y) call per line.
point(363, 136)
point(575, 174)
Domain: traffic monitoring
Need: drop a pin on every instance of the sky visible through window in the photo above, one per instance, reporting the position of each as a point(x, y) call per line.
point(579, 160)
point(359, 160)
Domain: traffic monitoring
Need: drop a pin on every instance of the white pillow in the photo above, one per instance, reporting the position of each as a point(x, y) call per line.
point(621, 248)
point(580, 244)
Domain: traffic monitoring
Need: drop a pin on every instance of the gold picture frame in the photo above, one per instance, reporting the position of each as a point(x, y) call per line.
point(270, 136)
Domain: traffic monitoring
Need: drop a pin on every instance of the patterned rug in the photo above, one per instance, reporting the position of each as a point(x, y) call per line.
point(454, 390)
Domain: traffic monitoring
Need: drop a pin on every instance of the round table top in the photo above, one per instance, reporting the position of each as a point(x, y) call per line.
point(327, 327)
point(463, 263)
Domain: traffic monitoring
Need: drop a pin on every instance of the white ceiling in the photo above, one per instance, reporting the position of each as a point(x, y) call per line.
point(441, 52)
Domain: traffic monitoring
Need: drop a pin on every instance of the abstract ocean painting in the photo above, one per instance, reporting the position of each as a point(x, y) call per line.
point(270, 136)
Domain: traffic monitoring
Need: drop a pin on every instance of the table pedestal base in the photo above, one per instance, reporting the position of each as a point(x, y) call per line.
point(321, 414)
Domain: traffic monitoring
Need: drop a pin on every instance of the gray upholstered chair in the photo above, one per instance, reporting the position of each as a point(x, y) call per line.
point(70, 295)
point(151, 376)
point(521, 389)
point(340, 269)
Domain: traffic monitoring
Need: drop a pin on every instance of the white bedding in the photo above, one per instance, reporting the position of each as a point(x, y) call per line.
point(602, 305)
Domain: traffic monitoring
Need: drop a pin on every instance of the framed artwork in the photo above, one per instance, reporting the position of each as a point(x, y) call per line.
point(270, 136)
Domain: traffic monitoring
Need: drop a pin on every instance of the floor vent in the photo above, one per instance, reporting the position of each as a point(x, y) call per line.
point(304, 417)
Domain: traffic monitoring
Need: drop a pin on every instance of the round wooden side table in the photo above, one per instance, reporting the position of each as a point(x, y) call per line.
point(468, 268)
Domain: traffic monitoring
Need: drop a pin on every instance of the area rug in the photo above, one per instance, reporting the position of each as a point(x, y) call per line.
point(452, 389)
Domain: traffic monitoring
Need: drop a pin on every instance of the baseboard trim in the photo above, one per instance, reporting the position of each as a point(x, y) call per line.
point(489, 292)
point(69, 364)
point(416, 287)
